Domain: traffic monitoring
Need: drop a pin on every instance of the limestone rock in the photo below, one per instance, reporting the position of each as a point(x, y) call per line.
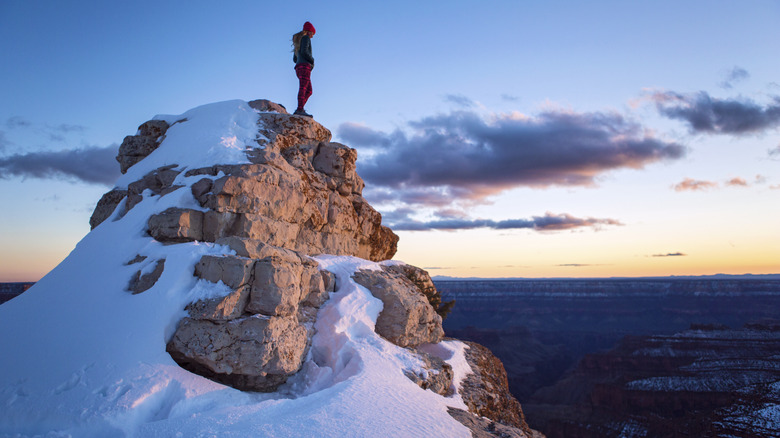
point(407, 319)
point(252, 353)
point(135, 148)
point(224, 308)
point(235, 272)
point(422, 280)
point(142, 282)
point(253, 248)
point(486, 390)
point(264, 105)
point(302, 210)
point(436, 375)
point(106, 206)
point(271, 313)
point(177, 225)
point(277, 287)
point(157, 181)
point(284, 131)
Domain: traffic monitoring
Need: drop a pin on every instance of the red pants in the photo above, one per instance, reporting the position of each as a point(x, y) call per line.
point(304, 89)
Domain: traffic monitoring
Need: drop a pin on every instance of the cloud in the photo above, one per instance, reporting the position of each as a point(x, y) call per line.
point(510, 97)
point(17, 122)
point(401, 220)
point(462, 156)
point(91, 165)
point(460, 100)
point(691, 184)
point(740, 182)
point(706, 114)
point(671, 254)
point(736, 74)
point(775, 153)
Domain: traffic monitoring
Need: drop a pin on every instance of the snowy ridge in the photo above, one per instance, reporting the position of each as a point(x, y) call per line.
point(86, 358)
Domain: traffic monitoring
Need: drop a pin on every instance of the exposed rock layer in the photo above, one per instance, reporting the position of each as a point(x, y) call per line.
point(486, 391)
point(706, 381)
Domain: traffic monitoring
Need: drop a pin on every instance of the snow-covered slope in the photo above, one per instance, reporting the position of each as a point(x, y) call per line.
point(81, 356)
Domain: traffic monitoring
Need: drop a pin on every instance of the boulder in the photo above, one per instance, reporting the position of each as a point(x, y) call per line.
point(135, 148)
point(407, 318)
point(256, 353)
point(176, 225)
point(264, 105)
point(270, 312)
point(106, 206)
point(423, 281)
point(142, 282)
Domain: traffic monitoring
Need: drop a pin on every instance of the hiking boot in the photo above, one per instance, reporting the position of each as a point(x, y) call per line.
point(300, 112)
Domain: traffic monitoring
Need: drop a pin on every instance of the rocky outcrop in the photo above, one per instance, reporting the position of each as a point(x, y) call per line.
point(301, 192)
point(299, 196)
point(407, 318)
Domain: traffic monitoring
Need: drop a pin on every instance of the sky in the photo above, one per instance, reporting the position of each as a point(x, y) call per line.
point(498, 139)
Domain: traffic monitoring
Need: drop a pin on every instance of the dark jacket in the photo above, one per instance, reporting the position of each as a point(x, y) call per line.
point(303, 55)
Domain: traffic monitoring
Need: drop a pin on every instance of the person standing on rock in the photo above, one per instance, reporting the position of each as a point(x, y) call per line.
point(304, 63)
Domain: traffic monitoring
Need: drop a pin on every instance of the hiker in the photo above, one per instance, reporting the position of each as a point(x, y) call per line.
point(304, 63)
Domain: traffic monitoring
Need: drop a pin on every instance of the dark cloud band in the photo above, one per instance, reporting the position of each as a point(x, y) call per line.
point(462, 154)
point(401, 221)
point(91, 165)
point(706, 114)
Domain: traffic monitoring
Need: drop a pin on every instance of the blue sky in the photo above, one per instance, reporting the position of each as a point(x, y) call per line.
point(501, 139)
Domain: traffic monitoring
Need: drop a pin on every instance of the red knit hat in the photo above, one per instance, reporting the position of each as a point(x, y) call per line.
point(309, 27)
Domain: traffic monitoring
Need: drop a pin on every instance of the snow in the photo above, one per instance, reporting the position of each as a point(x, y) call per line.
point(83, 357)
point(217, 133)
